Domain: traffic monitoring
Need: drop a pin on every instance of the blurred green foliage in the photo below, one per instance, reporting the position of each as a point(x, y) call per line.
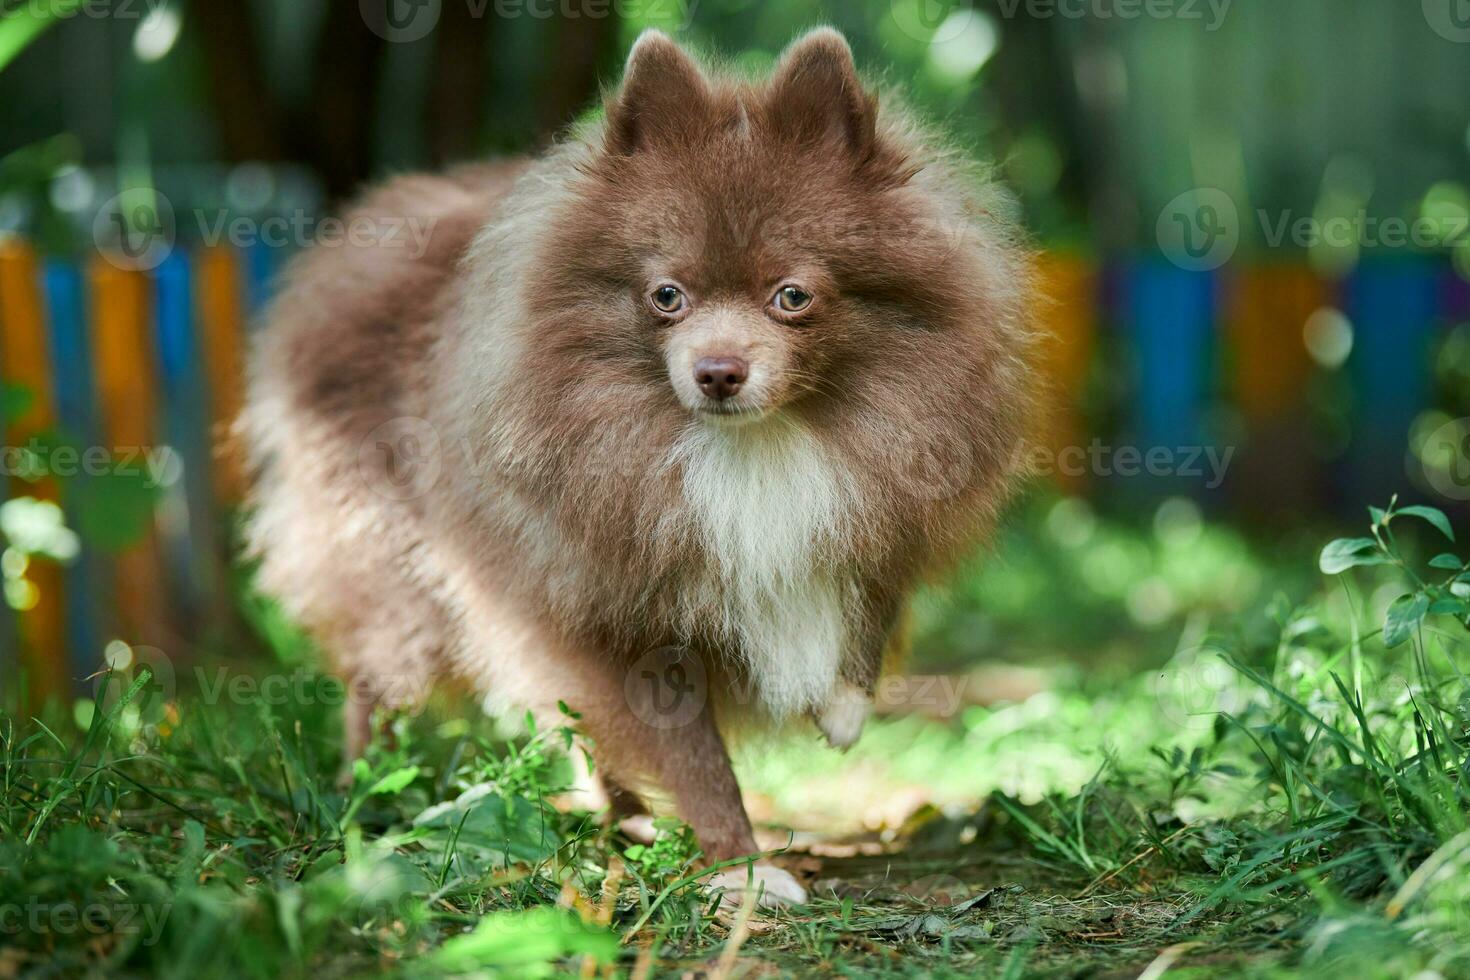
point(1096, 117)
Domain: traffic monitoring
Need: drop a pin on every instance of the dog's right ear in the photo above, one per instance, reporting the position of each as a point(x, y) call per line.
point(817, 98)
point(663, 96)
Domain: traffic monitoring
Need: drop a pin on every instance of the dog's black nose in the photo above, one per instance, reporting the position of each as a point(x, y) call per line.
point(720, 377)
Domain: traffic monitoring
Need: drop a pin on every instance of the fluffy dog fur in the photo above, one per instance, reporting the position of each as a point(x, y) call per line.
point(494, 462)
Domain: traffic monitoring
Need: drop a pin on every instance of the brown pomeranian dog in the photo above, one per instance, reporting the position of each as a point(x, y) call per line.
point(665, 425)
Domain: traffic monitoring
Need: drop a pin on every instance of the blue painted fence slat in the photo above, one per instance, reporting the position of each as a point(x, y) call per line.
point(1170, 315)
point(186, 427)
point(1394, 304)
point(260, 272)
point(71, 361)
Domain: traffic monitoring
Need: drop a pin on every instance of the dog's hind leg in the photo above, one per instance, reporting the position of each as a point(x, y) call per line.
point(357, 729)
point(597, 792)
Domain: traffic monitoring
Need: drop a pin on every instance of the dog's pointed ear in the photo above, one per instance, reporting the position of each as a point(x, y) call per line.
point(816, 96)
point(663, 96)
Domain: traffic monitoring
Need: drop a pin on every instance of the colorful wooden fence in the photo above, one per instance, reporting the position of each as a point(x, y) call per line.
point(138, 361)
point(129, 363)
point(1190, 344)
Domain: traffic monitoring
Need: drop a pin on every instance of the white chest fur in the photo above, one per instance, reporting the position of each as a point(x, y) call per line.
point(766, 497)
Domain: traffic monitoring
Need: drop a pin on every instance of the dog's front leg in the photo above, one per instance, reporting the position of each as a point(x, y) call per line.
point(696, 770)
point(842, 718)
point(872, 624)
point(653, 725)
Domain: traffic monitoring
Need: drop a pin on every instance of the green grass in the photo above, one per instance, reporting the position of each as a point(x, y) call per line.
point(1226, 762)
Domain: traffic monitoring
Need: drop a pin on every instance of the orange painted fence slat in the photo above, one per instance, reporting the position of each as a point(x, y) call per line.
point(127, 390)
point(221, 318)
point(1266, 310)
point(25, 361)
point(1068, 321)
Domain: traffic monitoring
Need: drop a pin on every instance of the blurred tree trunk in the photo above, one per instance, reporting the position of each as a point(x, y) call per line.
point(456, 110)
point(337, 125)
point(579, 52)
point(1036, 88)
point(250, 122)
point(332, 132)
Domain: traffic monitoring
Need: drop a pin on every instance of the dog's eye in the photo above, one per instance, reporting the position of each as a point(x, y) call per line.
point(793, 299)
point(668, 299)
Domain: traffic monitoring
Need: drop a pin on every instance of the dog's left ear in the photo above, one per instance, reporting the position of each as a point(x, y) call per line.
point(662, 100)
point(816, 97)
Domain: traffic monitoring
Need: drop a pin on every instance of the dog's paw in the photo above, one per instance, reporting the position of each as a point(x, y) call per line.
point(841, 720)
point(639, 828)
point(773, 886)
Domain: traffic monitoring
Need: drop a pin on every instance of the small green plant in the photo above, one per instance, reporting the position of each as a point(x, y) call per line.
point(671, 854)
point(1449, 596)
point(534, 768)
